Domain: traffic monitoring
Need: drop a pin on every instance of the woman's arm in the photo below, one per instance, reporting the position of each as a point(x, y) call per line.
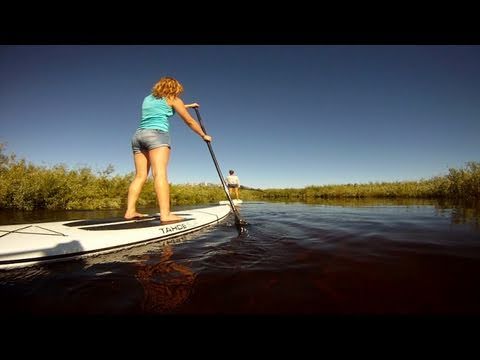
point(182, 111)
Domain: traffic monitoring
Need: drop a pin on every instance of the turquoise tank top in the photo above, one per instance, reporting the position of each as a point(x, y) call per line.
point(155, 113)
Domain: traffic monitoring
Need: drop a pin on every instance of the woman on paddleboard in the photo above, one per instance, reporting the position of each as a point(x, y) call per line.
point(151, 144)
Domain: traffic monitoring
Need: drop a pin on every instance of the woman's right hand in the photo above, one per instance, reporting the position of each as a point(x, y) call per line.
point(192, 105)
point(207, 138)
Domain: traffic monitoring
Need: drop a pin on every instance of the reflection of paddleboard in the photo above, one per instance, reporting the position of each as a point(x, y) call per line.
point(226, 202)
point(27, 244)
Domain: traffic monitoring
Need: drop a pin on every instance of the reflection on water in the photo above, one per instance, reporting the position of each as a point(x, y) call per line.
point(357, 202)
point(166, 284)
point(462, 212)
point(8, 216)
point(464, 215)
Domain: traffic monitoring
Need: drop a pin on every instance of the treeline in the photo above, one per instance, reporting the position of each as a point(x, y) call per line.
point(27, 186)
point(458, 184)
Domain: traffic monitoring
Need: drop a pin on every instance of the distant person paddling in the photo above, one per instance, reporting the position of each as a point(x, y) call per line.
point(151, 144)
point(233, 184)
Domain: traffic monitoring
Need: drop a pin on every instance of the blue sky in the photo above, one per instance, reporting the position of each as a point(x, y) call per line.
point(281, 116)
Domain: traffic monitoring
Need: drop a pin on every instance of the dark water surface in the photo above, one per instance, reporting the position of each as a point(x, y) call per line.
point(381, 257)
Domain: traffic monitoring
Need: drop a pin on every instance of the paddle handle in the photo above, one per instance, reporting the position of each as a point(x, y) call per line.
point(225, 188)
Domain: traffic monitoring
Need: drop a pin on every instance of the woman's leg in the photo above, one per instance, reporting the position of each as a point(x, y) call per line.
point(142, 166)
point(159, 158)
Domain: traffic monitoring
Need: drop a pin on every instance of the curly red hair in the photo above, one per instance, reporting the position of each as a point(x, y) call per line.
point(167, 87)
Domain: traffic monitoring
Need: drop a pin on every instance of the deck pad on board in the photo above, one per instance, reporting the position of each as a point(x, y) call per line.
point(109, 221)
point(132, 225)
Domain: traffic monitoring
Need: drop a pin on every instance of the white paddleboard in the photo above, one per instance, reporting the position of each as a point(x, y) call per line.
point(28, 244)
point(226, 202)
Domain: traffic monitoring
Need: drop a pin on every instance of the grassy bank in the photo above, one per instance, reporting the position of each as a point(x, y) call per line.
point(27, 186)
point(458, 184)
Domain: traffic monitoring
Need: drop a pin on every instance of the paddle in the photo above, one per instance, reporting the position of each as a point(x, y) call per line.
point(238, 221)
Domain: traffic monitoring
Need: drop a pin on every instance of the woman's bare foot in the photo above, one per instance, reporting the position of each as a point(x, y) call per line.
point(170, 218)
point(134, 215)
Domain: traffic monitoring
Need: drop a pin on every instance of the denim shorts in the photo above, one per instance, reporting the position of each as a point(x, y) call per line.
point(148, 139)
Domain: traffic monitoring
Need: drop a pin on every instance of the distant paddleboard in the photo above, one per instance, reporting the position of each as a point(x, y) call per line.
point(226, 202)
point(28, 244)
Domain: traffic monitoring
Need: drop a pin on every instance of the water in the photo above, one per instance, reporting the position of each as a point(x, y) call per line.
point(326, 258)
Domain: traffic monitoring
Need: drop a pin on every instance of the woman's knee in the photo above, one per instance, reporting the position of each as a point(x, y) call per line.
point(159, 174)
point(141, 177)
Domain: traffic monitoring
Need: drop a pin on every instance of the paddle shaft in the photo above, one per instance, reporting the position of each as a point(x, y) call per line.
point(225, 188)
